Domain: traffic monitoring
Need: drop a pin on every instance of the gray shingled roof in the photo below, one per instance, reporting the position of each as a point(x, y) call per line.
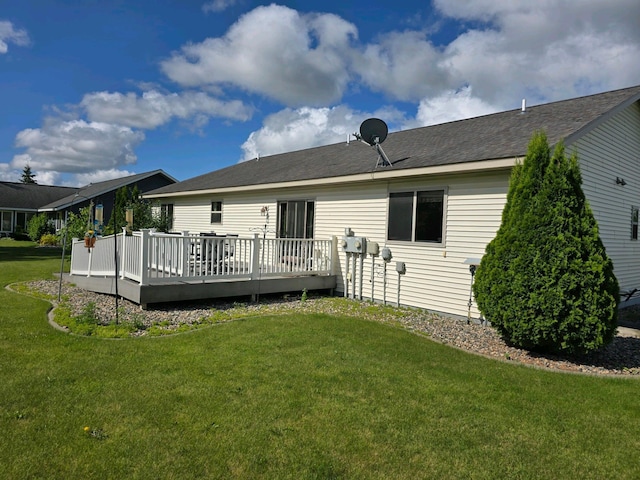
point(496, 136)
point(94, 190)
point(29, 196)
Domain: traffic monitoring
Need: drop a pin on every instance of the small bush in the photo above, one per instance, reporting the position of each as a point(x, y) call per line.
point(38, 226)
point(48, 240)
point(88, 315)
point(20, 234)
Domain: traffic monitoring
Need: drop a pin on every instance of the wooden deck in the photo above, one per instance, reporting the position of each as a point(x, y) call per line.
point(157, 268)
point(145, 295)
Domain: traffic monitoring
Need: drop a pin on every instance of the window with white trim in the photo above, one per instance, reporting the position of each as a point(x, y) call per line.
point(5, 221)
point(166, 215)
point(216, 212)
point(416, 216)
point(296, 219)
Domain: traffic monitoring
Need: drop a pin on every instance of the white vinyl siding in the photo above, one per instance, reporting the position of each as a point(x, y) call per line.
point(436, 278)
point(610, 151)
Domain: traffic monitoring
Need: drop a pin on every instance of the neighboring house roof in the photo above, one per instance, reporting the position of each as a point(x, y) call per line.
point(94, 190)
point(504, 135)
point(30, 196)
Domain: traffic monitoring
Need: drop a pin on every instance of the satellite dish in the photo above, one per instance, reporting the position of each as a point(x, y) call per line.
point(373, 131)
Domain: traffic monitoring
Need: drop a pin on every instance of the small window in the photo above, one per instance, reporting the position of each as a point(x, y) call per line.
point(166, 215)
point(634, 223)
point(5, 222)
point(416, 216)
point(216, 212)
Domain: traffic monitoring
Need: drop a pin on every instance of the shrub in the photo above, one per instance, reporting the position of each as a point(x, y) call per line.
point(38, 226)
point(20, 234)
point(545, 282)
point(77, 225)
point(49, 239)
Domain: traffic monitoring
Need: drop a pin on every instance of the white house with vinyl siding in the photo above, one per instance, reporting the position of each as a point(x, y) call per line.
point(456, 172)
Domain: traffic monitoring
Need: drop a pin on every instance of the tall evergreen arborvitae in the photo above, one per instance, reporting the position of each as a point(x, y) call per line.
point(545, 281)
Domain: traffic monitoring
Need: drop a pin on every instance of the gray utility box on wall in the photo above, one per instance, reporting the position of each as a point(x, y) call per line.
point(354, 244)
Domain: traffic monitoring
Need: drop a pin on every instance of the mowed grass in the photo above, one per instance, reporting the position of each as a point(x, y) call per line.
point(295, 396)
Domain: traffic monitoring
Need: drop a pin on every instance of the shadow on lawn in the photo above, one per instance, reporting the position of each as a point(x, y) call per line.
point(32, 252)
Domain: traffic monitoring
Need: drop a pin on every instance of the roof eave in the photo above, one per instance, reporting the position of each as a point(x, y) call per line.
point(386, 174)
point(600, 120)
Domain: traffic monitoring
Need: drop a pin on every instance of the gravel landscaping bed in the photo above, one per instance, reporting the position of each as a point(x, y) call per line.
point(621, 357)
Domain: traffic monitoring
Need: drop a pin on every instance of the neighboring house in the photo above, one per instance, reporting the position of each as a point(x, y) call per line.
point(104, 193)
point(437, 205)
point(21, 201)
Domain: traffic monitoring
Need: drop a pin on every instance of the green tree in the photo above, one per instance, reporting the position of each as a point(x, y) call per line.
point(76, 227)
point(545, 282)
point(38, 226)
point(144, 215)
point(27, 175)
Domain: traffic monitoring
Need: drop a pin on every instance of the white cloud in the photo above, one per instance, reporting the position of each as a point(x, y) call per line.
point(9, 34)
point(100, 176)
point(450, 106)
point(217, 5)
point(547, 50)
point(273, 51)
point(153, 108)
point(76, 146)
point(97, 147)
point(289, 130)
point(544, 50)
point(9, 174)
point(403, 65)
point(306, 127)
point(48, 178)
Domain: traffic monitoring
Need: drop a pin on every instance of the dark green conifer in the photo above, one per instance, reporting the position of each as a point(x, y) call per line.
point(545, 281)
point(27, 175)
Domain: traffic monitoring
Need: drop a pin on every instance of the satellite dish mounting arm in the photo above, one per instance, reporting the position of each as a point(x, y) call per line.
point(382, 156)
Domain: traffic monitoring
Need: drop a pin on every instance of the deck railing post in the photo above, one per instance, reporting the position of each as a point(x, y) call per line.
point(89, 264)
point(255, 257)
point(124, 254)
point(186, 252)
point(144, 253)
point(333, 255)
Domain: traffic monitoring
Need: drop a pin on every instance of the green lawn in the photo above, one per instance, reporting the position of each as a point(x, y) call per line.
point(307, 396)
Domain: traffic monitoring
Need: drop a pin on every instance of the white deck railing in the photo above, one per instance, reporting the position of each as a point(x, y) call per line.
point(151, 258)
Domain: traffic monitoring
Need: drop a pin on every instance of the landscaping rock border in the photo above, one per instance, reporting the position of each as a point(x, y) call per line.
point(620, 358)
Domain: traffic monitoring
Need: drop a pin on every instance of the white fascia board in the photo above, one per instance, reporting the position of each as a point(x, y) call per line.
point(387, 173)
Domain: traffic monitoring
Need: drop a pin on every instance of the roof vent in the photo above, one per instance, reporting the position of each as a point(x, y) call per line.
point(524, 105)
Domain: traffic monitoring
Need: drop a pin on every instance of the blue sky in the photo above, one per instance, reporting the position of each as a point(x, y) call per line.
point(99, 89)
